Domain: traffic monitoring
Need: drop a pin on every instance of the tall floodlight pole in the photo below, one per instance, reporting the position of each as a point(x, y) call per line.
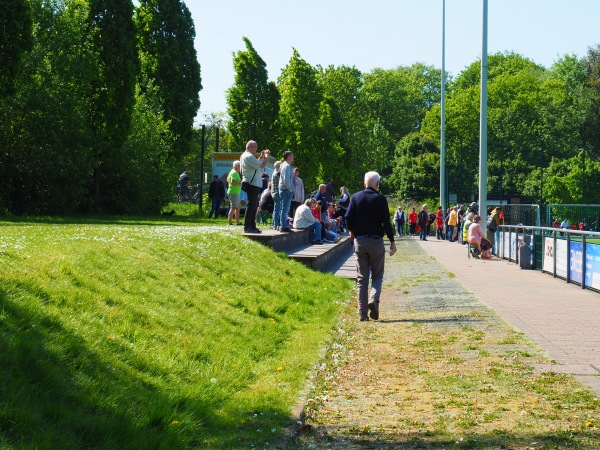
point(483, 119)
point(443, 181)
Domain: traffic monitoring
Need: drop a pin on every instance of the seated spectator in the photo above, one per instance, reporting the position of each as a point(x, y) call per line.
point(333, 220)
point(266, 200)
point(304, 219)
point(466, 224)
point(476, 237)
point(327, 235)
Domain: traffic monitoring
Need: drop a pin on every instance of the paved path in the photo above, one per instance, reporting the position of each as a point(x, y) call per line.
point(561, 318)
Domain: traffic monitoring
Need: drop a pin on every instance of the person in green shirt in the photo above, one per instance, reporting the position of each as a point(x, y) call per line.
point(234, 183)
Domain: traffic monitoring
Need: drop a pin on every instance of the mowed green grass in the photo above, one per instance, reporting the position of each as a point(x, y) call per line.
point(154, 336)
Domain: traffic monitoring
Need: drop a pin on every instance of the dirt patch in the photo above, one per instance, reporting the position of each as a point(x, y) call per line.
point(440, 370)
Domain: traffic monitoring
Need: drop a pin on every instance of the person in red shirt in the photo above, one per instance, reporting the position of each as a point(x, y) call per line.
point(412, 222)
point(439, 223)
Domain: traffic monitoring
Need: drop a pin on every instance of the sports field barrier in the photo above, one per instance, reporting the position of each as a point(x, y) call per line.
point(571, 255)
point(574, 213)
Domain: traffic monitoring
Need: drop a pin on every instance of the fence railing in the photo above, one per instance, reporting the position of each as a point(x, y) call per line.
point(572, 255)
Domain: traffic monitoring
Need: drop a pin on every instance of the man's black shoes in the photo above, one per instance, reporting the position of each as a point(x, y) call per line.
point(374, 310)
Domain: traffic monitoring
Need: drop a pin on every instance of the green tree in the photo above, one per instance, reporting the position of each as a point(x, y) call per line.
point(45, 165)
point(166, 41)
point(300, 112)
point(342, 87)
point(591, 127)
point(15, 40)
point(113, 38)
point(416, 168)
point(571, 180)
point(252, 101)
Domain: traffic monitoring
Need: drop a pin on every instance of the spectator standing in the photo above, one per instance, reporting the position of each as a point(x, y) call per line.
point(234, 190)
point(298, 192)
point(250, 166)
point(184, 186)
point(493, 221)
point(423, 221)
point(321, 195)
point(368, 219)
point(439, 223)
point(460, 220)
point(286, 190)
point(275, 195)
point(452, 223)
point(343, 203)
point(412, 222)
point(564, 224)
point(329, 192)
point(399, 221)
point(216, 193)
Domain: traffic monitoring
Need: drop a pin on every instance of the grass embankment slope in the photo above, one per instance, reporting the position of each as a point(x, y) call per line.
point(159, 335)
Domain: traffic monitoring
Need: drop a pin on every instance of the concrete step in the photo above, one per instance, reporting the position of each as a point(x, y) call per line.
point(323, 257)
point(345, 266)
point(281, 242)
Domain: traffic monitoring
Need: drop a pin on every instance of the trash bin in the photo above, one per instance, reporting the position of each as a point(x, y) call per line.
point(526, 253)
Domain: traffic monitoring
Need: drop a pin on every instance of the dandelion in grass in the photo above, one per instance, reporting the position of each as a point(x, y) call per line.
point(280, 368)
point(175, 422)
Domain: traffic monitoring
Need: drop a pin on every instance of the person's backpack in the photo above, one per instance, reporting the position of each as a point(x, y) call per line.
point(491, 223)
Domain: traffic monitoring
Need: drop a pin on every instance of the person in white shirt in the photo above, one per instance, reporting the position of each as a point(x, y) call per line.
point(304, 219)
point(298, 191)
point(251, 178)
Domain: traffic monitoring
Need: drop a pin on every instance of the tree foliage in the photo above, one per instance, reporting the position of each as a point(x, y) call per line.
point(253, 101)
point(75, 113)
point(15, 41)
point(168, 57)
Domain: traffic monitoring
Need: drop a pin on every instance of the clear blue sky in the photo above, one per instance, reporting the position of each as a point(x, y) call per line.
point(382, 33)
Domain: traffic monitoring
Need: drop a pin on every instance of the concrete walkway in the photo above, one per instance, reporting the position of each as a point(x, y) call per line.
point(561, 318)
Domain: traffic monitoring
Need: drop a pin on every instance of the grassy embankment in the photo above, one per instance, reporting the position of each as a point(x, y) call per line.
point(153, 334)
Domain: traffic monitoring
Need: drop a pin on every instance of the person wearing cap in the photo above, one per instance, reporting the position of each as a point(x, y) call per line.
point(368, 219)
point(399, 221)
point(493, 221)
point(216, 193)
point(472, 208)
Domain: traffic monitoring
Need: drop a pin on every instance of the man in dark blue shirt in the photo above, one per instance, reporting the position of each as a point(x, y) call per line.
point(368, 219)
point(321, 194)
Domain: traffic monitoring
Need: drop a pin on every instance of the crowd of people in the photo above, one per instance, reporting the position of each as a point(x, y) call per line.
point(283, 198)
point(456, 224)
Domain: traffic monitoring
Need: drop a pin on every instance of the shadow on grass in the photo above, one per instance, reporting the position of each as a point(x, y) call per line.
point(57, 391)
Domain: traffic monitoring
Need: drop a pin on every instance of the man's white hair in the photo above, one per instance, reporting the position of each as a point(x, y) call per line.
point(277, 165)
point(371, 179)
point(236, 163)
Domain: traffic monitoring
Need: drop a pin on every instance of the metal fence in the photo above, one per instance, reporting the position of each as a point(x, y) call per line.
point(572, 255)
point(520, 214)
point(574, 214)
